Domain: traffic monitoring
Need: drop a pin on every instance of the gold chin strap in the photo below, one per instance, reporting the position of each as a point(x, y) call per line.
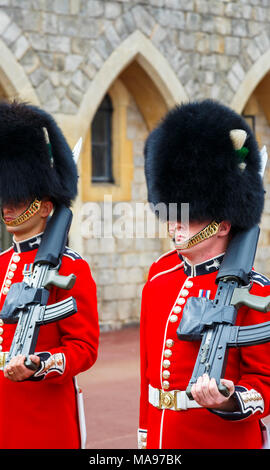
point(207, 232)
point(27, 214)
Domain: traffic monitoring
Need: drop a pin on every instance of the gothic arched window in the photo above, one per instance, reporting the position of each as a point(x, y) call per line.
point(101, 133)
point(107, 154)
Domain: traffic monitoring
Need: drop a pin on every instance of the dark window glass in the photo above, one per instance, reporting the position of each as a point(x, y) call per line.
point(101, 133)
point(251, 121)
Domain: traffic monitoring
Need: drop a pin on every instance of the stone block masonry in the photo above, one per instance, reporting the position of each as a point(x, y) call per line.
point(189, 31)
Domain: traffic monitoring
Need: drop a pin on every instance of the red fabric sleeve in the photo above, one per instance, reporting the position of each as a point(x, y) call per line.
point(255, 360)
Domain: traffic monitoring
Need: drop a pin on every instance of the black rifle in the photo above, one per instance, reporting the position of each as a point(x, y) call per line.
point(26, 302)
point(213, 321)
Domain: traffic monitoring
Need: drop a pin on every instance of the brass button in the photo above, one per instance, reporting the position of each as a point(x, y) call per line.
point(16, 258)
point(13, 267)
point(5, 290)
point(177, 309)
point(10, 275)
point(188, 284)
point(181, 301)
point(1, 322)
point(166, 374)
point(173, 318)
point(165, 384)
point(1, 331)
point(166, 363)
point(167, 353)
point(1, 340)
point(8, 282)
point(185, 293)
point(169, 343)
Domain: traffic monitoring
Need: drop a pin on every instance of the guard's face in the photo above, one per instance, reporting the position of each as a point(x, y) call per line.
point(11, 212)
point(178, 232)
point(32, 225)
point(182, 232)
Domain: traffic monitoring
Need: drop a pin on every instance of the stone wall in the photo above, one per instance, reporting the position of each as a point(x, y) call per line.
point(120, 264)
point(62, 44)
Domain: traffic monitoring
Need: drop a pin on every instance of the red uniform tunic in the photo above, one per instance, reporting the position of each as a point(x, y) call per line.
point(42, 413)
point(170, 283)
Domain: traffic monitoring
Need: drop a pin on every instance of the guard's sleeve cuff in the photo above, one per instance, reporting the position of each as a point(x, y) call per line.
point(249, 402)
point(49, 363)
point(142, 438)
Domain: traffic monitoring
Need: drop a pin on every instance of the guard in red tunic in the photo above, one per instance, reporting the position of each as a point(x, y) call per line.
point(206, 155)
point(40, 409)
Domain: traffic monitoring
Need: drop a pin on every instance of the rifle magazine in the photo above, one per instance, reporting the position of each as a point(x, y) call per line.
point(250, 335)
point(59, 311)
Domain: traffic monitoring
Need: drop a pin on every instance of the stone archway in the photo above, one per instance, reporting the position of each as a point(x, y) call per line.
point(136, 48)
point(13, 78)
point(147, 89)
point(156, 82)
point(252, 78)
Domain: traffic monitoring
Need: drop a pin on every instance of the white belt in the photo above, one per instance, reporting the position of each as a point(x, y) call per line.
point(176, 400)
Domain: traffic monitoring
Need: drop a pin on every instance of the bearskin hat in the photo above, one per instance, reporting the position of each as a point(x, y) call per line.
point(35, 159)
point(205, 154)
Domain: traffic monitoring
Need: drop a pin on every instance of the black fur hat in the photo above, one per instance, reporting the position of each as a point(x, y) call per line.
point(193, 157)
point(35, 159)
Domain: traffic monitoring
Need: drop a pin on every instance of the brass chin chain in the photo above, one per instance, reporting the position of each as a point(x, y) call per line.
point(27, 214)
point(207, 232)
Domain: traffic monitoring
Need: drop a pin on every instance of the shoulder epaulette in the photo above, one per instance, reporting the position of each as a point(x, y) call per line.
point(167, 271)
point(165, 255)
point(260, 279)
point(71, 254)
point(6, 251)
